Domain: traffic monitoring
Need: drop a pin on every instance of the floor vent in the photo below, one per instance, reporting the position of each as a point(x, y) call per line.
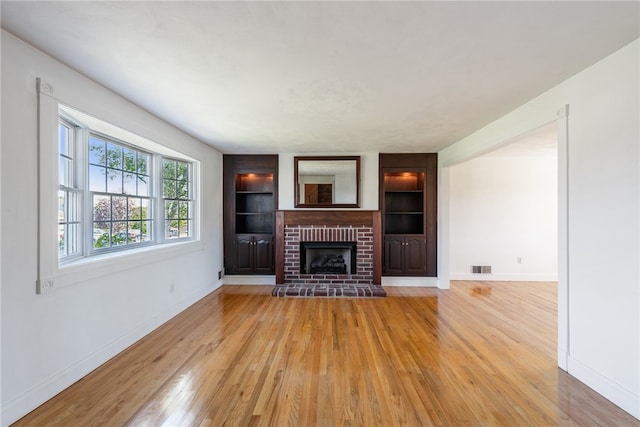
point(481, 269)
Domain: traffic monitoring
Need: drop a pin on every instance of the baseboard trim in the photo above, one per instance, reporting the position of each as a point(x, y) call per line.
point(24, 403)
point(249, 280)
point(608, 388)
point(504, 277)
point(427, 282)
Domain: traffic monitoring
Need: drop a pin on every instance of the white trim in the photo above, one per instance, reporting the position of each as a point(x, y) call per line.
point(427, 282)
point(15, 408)
point(249, 280)
point(504, 277)
point(617, 394)
point(563, 237)
point(444, 245)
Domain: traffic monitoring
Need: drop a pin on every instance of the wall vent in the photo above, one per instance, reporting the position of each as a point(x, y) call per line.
point(481, 269)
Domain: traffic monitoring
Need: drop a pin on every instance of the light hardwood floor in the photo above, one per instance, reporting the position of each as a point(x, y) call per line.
point(480, 354)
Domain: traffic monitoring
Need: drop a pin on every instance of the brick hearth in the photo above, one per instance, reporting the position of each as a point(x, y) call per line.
point(328, 290)
point(329, 285)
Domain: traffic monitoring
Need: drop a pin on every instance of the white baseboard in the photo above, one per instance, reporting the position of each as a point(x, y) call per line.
point(611, 390)
point(249, 280)
point(24, 403)
point(504, 277)
point(428, 282)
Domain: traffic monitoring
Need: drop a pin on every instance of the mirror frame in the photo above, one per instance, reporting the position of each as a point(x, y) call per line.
point(296, 159)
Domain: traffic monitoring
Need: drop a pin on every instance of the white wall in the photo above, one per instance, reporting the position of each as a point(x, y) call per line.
point(502, 209)
point(599, 217)
point(50, 341)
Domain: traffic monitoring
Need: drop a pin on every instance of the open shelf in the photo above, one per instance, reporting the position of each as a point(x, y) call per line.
point(254, 223)
point(403, 202)
point(254, 182)
point(403, 181)
point(404, 223)
point(254, 203)
point(249, 202)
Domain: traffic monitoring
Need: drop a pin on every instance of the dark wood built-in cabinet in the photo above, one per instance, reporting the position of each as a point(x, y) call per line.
point(408, 201)
point(250, 199)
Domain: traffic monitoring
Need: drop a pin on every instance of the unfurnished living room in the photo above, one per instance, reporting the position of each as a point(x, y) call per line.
point(320, 213)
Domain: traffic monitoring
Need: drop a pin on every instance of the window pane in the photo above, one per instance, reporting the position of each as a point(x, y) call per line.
point(97, 179)
point(168, 189)
point(102, 209)
point(101, 240)
point(114, 181)
point(134, 209)
point(145, 209)
point(118, 208)
point(129, 160)
point(182, 171)
point(62, 210)
point(134, 231)
point(73, 206)
point(114, 156)
point(184, 210)
point(102, 227)
point(129, 184)
point(62, 250)
point(146, 229)
point(65, 176)
point(97, 151)
point(143, 161)
point(170, 209)
point(183, 226)
point(171, 229)
point(63, 140)
point(72, 239)
point(168, 169)
point(119, 233)
point(100, 234)
point(183, 190)
point(143, 186)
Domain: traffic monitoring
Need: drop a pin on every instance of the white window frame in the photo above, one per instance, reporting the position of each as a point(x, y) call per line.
point(53, 274)
point(89, 225)
point(177, 199)
point(68, 188)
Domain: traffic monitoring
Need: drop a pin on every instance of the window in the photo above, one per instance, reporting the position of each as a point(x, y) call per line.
point(176, 194)
point(68, 194)
point(109, 193)
point(119, 180)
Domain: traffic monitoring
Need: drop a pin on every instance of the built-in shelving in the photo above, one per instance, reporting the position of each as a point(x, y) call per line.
point(254, 203)
point(407, 202)
point(250, 201)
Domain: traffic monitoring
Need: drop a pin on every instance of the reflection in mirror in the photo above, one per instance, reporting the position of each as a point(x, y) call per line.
point(327, 181)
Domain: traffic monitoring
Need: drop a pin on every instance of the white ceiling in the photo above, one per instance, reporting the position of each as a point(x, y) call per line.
point(326, 77)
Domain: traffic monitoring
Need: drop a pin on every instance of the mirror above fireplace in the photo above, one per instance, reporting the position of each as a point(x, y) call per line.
point(327, 181)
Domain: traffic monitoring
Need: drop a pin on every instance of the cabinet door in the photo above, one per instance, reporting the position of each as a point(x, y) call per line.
point(244, 254)
point(415, 259)
point(393, 255)
point(263, 254)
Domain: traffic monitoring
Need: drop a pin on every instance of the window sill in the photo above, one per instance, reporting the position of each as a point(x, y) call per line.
point(96, 266)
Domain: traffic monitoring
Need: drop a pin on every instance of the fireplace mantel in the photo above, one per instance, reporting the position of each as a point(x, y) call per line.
point(329, 219)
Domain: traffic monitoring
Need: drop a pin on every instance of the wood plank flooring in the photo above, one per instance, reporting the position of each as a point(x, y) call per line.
point(480, 354)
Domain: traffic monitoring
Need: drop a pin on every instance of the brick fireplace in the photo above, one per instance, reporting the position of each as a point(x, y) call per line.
point(328, 228)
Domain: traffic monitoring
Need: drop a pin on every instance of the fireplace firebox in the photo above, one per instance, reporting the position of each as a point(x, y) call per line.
point(328, 257)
